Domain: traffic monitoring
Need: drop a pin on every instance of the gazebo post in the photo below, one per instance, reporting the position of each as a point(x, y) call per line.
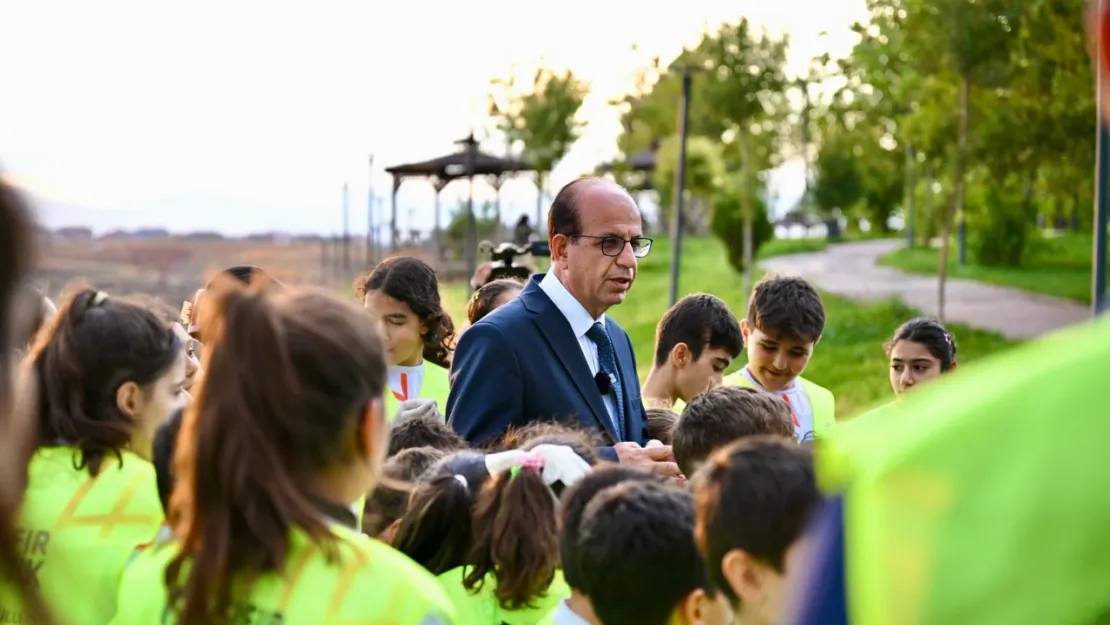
point(393, 215)
point(437, 235)
point(496, 182)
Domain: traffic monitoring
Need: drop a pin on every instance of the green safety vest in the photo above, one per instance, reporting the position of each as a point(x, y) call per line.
point(436, 385)
point(821, 402)
point(75, 532)
point(482, 607)
point(983, 497)
point(369, 584)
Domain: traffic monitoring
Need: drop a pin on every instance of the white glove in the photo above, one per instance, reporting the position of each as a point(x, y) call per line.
point(561, 464)
point(503, 460)
point(418, 408)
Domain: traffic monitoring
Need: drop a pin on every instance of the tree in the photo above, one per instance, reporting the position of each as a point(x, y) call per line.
point(837, 182)
point(705, 175)
point(544, 120)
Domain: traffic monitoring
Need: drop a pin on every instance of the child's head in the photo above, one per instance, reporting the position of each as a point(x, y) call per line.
point(785, 320)
point(423, 432)
point(583, 442)
point(292, 400)
point(921, 350)
point(639, 562)
point(109, 373)
point(435, 531)
point(492, 296)
point(402, 294)
point(573, 505)
point(753, 499)
point(387, 504)
point(165, 443)
point(722, 415)
point(660, 424)
point(699, 336)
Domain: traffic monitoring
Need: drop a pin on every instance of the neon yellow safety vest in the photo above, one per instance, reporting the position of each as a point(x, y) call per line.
point(75, 532)
point(369, 584)
point(821, 401)
point(982, 498)
point(436, 385)
point(482, 607)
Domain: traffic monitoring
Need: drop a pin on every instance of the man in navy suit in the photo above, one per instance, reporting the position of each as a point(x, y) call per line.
point(552, 354)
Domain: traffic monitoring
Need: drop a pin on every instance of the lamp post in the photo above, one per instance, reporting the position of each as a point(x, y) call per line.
point(1102, 203)
point(680, 186)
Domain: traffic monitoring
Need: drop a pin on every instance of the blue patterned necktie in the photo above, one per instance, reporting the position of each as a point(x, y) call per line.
point(607, 363)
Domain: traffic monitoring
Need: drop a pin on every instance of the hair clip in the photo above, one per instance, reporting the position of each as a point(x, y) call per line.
point(530, 461)
point(462, 480)
point(99, 298)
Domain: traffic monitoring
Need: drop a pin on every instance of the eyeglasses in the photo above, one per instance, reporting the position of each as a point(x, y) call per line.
point(613, 245)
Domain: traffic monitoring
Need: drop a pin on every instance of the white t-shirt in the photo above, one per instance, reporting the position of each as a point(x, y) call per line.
point(405, 382)
point(795, 396)
point(563, 615)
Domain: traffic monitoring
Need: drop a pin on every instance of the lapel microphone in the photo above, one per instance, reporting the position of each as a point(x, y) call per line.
point(604, 383)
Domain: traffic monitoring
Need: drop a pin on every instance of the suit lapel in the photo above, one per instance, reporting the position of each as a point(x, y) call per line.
point(556, 331)
point(629, 379)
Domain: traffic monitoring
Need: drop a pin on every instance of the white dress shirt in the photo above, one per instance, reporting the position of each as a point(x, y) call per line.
point(580, 323)
point(563, 615)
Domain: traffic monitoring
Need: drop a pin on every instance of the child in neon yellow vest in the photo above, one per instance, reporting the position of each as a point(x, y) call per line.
point(784, 324)
point(286, 435)
point(402, 294)
point(108, 372)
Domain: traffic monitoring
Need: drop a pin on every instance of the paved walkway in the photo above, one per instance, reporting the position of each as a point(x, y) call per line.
point(850, 270)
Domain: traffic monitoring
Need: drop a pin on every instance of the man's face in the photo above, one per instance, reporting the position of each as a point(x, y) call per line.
point(596, 276)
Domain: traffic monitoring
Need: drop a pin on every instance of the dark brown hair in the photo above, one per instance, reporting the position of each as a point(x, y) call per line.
point(390, 499)
point(584, 442)
point(660, 424)
point(515, 539)
point(481, 303)
point(436, 530)
point(754, 495)
point(701, 321)
point(17, 251)
point(291, 374)
point(95, 345)
point(787, 307)
point(932, 334)
point(412, 281)
point(423, 432)
point(722, 415)
point(562, 217)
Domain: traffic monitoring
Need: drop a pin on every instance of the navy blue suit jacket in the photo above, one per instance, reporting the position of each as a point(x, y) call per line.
point(522, 363)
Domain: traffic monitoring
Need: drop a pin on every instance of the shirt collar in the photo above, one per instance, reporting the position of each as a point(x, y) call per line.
point(565, 616)
point(580, 321)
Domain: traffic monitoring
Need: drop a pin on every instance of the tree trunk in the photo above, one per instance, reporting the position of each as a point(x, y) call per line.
point(746, 206)
point(956, 202)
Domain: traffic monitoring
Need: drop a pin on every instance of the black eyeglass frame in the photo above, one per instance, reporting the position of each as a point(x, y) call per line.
point(624, 242)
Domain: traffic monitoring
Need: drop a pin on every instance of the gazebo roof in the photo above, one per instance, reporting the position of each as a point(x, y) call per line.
point(454, 166)
point(640, 161)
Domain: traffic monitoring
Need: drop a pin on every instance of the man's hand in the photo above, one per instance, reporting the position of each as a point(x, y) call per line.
point(417, 409)
point(657, 458)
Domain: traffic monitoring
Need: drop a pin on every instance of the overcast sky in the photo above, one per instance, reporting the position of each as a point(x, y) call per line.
point(250, 116)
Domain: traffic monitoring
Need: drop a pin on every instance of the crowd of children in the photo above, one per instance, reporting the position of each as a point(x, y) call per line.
point(269, 482)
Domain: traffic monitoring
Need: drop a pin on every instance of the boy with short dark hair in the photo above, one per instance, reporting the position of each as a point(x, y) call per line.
point(423, 432)
point(576, 610)
point(639, 562)
point(785, 320)
point(695, 342)
point(753, 499)
point(720, 416)
point(386, 504)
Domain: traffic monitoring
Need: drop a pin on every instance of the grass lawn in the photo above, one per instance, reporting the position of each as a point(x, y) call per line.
point(1059, 266)
point(849, 359)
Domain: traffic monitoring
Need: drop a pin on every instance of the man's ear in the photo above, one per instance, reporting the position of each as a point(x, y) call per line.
point(558, 246)
point(748, 576)
point(680, 355)
point(129, 398)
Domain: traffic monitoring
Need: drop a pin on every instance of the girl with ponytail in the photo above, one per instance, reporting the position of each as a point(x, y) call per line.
point(486, 527)
point(107, 373)
point(285, 434)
